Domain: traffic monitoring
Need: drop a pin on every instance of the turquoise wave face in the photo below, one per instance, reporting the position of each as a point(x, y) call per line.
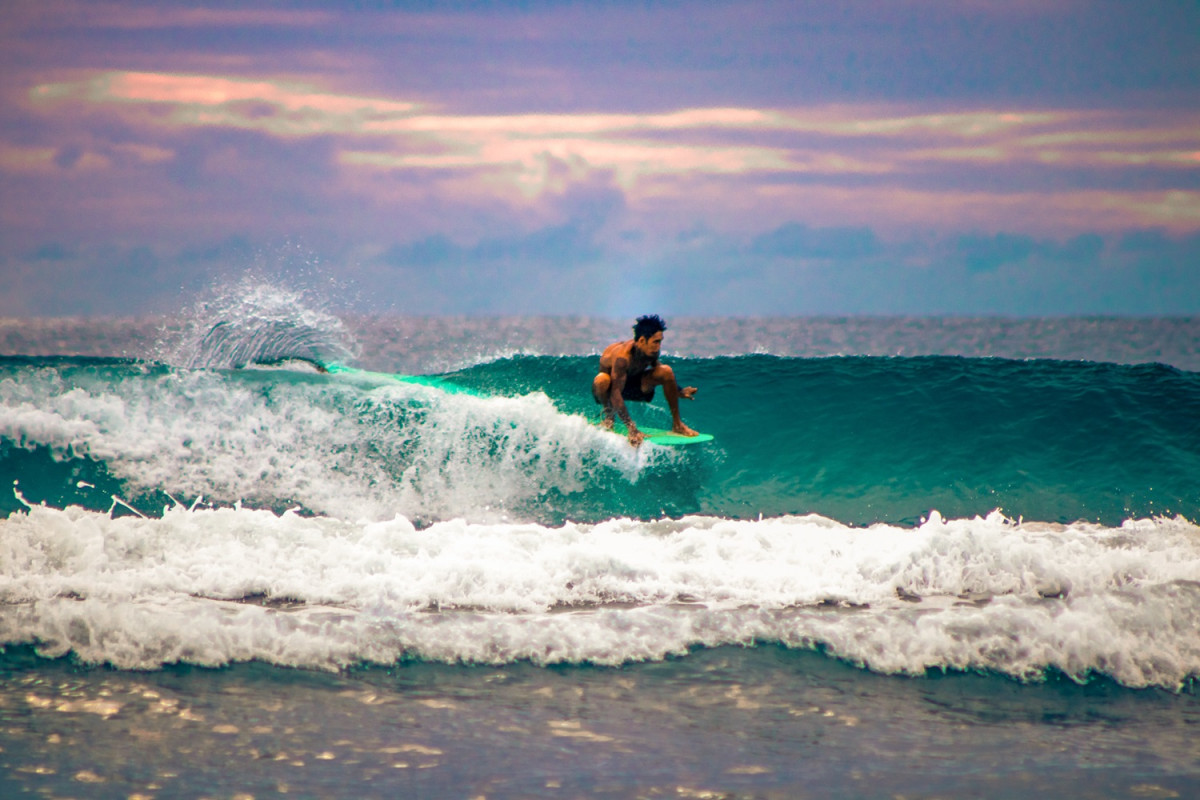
point(857, 439)
point(865, 439)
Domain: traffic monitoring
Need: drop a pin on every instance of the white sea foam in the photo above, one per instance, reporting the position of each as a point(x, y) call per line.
point(353, 449)
point(983, 593)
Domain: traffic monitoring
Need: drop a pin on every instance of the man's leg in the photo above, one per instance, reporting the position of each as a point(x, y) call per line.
point(602, 392)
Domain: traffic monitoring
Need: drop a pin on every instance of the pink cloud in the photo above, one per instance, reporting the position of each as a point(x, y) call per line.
point(745, 166)
point(856, 140)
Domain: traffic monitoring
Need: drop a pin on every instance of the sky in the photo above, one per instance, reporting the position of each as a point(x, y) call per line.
point(758, 158)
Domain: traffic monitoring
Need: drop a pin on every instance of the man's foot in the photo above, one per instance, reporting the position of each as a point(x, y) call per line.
point(683, 430)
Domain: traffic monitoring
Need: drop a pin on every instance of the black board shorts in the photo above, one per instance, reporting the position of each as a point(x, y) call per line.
point(632, 390)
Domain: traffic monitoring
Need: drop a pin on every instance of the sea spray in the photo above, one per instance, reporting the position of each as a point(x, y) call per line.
point(253, 321)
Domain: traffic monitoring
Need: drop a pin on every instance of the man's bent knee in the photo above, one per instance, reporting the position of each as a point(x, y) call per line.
point(663, 375)
point(600, 387)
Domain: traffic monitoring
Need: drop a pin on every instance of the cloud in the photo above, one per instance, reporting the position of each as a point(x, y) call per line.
point(828, 140)
point(127, 16)
point(575, 267)
point(769, 155)
point(988, 253)
point(430, 251)
point(587, 202)
point(795, 240)
point(1084, 248)
point(305, 147)
point(279, 108)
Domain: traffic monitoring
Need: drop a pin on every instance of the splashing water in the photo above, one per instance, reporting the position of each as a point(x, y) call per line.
point(257, 322)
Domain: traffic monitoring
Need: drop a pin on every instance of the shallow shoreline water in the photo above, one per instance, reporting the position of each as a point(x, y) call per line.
point(761, 722)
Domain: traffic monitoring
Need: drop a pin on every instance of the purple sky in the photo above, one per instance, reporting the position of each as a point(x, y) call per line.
point(752, 158)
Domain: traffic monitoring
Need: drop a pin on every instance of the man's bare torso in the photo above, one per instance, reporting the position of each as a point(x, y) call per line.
point(636, 362)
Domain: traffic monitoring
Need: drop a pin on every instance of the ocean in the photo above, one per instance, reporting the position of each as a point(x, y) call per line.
point(922, 557)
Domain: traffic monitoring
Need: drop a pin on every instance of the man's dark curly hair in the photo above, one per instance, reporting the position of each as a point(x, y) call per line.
point(648, 325)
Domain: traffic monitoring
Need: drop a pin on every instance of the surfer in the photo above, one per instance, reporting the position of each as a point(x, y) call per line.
point(630, 370)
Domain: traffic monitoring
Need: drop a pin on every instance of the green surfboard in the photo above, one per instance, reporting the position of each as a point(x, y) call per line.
point(661, 436)
point(420, 380)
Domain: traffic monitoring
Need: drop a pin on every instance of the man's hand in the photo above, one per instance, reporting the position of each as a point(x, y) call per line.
point(687, 392)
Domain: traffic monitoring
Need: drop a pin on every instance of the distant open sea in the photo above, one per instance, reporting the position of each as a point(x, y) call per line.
point(922, 558)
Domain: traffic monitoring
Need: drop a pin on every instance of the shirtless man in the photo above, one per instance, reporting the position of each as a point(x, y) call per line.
point(630, 370)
